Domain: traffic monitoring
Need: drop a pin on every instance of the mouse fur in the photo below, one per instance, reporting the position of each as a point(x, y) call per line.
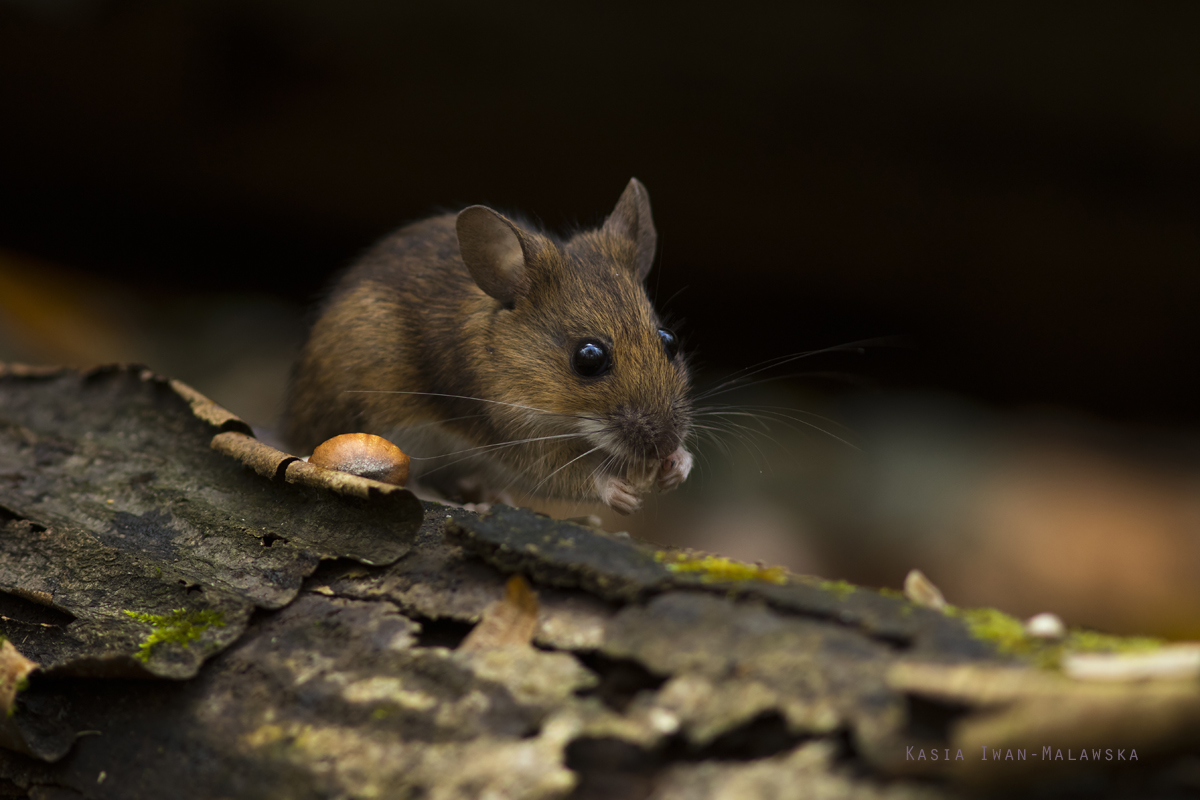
point(456, 336)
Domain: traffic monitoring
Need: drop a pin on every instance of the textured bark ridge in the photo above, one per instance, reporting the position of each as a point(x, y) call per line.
point(212, 618)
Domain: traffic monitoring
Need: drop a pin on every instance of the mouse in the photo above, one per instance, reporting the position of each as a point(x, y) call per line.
point(501, 356)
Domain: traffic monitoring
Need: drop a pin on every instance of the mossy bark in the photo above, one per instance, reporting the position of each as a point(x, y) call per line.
point(213, 618)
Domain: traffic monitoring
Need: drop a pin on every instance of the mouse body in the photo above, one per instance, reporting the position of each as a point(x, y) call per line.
point(499, 356)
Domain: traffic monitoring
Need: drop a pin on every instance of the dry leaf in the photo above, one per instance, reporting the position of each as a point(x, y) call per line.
point(511, 621)
point(14, 669)
point(14, 672)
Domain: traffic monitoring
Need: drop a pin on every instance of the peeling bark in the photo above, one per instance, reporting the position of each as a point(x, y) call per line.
point(210, 617)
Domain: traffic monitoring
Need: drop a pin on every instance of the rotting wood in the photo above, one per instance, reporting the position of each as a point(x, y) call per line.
point(296, 637)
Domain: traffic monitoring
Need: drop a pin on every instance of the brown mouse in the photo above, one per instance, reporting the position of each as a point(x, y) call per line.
point(498, 355)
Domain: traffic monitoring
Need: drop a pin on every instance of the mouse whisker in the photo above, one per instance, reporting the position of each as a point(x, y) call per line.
point(736, 379)
point(773, 378)
point(703, 434)
point(471, 452)
point(584, 454)
point(519, 473)
point(497, 445)
point(741, 434)
point(431, 423)
point(771, 410)
point(745, 434)
point(764, 415)
point(783, 419)
point(710, 433)
point(468, 397)
point(608, 459)
point(538, 462)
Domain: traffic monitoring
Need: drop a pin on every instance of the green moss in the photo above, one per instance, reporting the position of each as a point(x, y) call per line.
point(1007, 634)
point(180, 627)
point(714, 569)
point(1081, 641)
point(838, 589)
point(896, 594)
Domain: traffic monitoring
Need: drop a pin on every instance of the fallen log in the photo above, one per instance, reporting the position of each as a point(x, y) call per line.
point(191, 613)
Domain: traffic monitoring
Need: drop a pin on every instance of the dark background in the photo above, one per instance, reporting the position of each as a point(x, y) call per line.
point(1008, 193)
point(1014, 187)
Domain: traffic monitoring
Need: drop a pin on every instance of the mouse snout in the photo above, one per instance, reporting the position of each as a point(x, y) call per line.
point(647, 435)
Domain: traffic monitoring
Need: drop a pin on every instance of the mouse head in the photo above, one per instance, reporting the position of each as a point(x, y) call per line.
point(574, 332)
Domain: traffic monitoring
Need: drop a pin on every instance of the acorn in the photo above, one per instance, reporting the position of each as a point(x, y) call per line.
point(365, 455)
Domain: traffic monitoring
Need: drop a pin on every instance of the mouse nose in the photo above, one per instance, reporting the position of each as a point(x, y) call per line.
point(646, 434)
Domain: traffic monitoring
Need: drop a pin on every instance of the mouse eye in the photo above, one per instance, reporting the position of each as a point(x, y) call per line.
point(591, 358)
point(670, 343)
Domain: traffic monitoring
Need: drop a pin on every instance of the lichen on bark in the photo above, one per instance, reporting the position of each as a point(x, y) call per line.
point(296, 635)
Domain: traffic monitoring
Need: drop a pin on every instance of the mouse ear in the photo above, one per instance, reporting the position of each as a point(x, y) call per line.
point(631, 219)
point(492, 248)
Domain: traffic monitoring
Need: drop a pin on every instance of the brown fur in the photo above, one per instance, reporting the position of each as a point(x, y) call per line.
point(411, 318)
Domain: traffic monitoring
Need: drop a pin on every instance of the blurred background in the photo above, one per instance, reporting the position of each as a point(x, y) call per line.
point(1001, 200)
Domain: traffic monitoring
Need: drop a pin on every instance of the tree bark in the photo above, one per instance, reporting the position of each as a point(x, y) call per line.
point(210, 618)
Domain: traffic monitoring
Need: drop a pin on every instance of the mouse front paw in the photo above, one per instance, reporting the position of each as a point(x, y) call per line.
point(674, 469)
point(618, 494)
